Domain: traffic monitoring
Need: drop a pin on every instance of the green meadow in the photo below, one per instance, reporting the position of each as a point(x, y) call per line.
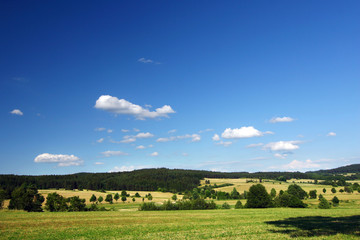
point(123, 221)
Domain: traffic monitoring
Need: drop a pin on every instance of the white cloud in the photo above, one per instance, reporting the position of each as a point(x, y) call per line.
point(225, 144)
point(154, 154)
point(144, 60)
point(216, 137)
point(17, 112)
point(100, 129)
point(140, 147)
point(185, 154)
point(109, 130)
point(150, 146)
point(136, 130)
point(100, 140)
point(114, 153)
point(122, 169)
point(194, 138)
point(282, 145)
point(99, 163)
point(281, 119)
point(144, 135)
point(331, 134)
point(299, 165)
point(243, 132)
point(121, 106)
point(128, 140)
point(206, 130)
point(280, 155)
point(254, 145)
point(172, 131)
point(125, 130)
point(61, 159)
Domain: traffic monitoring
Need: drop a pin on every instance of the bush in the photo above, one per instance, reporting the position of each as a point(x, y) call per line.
point(289, 200)
point(55, 203)
point(335, 201)
point(258, 197)
point(238, 205)
point(312, 194)
point(225, 206)
point(77, 204)
point(297, 191)
point(324, 204)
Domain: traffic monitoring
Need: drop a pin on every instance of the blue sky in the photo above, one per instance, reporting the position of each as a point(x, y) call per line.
point(230, 86)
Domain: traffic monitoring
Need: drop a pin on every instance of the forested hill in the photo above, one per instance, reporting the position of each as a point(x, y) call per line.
point(354, 168)
point(163, 179)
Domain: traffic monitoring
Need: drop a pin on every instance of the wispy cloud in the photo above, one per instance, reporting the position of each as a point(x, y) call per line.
point(194, 138)
point(144, 60)
point(113, 153)
point(225, 144)
point(100, 140)
point(121, 106)
point(331, 134)
point(281, 119)
point(254, 145)
point(154, 154)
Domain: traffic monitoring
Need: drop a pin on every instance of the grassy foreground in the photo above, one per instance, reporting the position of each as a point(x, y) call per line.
point(270, 223)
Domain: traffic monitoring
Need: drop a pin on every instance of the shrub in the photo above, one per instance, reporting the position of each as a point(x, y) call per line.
point(289, 200)
point(225, 206)
point(76, 204)
point(238, 205)
point(55, 203)
point(313, 194)
point(297, 191)
point(324, 204)
point(335, 201)
point(333, 190)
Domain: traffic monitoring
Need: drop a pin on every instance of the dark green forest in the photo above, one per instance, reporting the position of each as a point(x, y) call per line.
point(161, 179)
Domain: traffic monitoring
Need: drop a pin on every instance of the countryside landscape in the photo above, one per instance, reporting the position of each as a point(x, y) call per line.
point(185, 119)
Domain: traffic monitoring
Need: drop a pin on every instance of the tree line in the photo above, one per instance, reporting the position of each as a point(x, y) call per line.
point(167, 180)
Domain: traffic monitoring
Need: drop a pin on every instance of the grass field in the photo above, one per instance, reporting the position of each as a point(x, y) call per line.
point(201, 224)
point(125, 222)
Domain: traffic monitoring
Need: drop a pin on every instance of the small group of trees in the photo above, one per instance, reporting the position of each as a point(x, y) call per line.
point(195, 204)
point(258, 197)
point(26, 197)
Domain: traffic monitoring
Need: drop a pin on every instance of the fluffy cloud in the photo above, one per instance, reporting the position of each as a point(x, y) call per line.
point(194, 138)
point(113, 153)
point(121, 106)
point(100, 140)
point(144, 135)
point(243, 132)
point(122, 169)
point(99, 163)
point(331, 134)
point(154, 154)
point(17, 112)
point(225, 144)
point(216, 137)
point(281, 119)
point(282, 145)
point(61, 159)
point(298, 165)
point(140, 147)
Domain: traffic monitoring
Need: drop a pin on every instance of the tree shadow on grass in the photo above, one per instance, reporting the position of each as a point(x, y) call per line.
point(318, 226)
